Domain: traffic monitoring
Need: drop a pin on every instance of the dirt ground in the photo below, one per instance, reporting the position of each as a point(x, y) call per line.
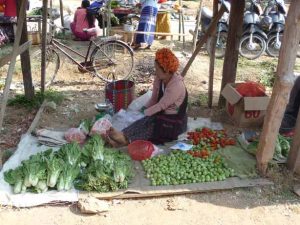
point(276, 204)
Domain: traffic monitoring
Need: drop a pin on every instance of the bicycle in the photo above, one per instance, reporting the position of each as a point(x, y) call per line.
point(107, 58)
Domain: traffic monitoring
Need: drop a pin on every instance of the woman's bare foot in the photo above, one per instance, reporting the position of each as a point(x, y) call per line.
point(110, 142)
point(117, 136)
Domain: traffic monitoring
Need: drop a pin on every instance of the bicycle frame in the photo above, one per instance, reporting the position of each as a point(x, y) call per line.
point(58, 45)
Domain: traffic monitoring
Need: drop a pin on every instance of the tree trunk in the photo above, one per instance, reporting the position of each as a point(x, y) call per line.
point(212, 59)
point(232, 46)
point(44, 43)
point(282, 87)
point(25, 59)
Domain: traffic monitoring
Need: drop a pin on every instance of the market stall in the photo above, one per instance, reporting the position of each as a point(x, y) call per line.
point(38, 174)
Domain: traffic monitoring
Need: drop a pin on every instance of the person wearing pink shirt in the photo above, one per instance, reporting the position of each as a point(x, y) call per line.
point(83, 26)
point(165, 113)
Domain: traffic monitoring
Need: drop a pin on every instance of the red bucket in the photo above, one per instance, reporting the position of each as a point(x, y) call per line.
point(120, 93)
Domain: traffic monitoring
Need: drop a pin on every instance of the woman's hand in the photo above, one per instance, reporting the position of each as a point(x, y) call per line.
point(142, 110)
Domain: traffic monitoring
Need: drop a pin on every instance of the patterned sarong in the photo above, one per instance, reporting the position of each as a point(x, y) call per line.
point(147, 24)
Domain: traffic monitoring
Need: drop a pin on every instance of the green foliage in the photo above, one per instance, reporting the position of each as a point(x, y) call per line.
point(22, 101)
point(267, 74)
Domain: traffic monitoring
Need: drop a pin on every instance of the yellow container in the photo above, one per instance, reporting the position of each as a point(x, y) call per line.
point(35, 37)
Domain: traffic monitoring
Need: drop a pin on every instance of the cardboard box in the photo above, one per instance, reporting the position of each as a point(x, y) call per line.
point(244, 111)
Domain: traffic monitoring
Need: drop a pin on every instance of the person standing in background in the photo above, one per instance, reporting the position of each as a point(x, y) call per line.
point(147, 24)
point(163, 22)
point(292, 109)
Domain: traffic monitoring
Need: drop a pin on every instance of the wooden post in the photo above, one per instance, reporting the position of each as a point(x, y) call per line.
point(280, 94)
point(25, 58)
point(180, 19)
point(212, 59)
point(232, 46)
point(293, 161)
point(108, 30)
point(195, 37)
point(44, 42)
point(61, 9)
point(12, 63)
point(211, 28)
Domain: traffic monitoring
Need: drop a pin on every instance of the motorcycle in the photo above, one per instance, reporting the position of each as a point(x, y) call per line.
point(253, 42)
point(222, 30)
point(275, 15)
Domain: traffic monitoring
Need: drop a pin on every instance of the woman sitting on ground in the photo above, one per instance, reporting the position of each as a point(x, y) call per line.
point(165, 113)
point(83, 26)
point(147, 24)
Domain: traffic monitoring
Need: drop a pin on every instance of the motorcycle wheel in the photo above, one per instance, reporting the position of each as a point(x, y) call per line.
point(220, 47)
point(271, 49)
point(259, 47)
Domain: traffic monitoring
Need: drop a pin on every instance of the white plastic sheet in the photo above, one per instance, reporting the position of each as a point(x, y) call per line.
point(29, 146)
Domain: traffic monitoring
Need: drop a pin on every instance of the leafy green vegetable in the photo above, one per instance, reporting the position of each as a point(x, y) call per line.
point(68, 175)
point(33, 171)
point(86, 125)
point(15, 177)
point(285, 145)
point(94, 149)
point(54, 168)
point(70, 153)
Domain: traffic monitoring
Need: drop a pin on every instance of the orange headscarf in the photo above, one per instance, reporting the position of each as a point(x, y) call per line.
point(167, 60)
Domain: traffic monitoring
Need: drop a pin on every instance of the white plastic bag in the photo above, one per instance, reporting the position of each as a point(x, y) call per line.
point(123, 118)
point(139, 102)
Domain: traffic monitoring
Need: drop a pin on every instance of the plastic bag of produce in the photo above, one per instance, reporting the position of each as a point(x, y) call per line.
point(101, 126)
point(75, 135)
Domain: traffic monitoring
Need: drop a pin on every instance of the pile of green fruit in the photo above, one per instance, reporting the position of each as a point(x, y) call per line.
point(181, 168)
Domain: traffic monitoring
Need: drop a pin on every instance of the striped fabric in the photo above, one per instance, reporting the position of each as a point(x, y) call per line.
point(147, 23)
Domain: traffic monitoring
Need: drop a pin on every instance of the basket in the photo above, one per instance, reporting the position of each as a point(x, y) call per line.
point(34, 36)
point(120, 93)
point(140, 150)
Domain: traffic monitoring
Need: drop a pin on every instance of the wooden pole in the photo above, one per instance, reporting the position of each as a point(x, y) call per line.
point(203, 39)
point(195, 37)
point(280, 94)
point(232, 46)
point(44, 42)
point(12, 63)
point(180, 19)
point(212, 59)
point(183, 29)
point(25, 58)
point(61, 9)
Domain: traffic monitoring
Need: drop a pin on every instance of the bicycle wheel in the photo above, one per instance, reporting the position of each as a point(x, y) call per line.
point(52, 66)
point(113, 60)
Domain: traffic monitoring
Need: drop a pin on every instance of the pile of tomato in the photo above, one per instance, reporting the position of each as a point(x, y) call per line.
point(206, 140)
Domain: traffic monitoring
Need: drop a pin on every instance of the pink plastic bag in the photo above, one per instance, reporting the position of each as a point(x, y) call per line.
point(75, 135)
point(101, 126)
